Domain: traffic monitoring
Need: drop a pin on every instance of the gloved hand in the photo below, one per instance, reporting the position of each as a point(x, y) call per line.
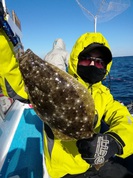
point(98, 149)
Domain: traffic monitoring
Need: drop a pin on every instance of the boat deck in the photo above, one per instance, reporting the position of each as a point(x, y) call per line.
point(22, 156)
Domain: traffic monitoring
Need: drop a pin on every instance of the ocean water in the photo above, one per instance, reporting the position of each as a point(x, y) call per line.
point(121, 79)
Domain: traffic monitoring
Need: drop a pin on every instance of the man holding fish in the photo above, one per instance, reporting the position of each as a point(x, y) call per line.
point(72, 107)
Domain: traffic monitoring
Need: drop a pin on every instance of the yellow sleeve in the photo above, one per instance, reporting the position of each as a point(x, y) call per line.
point(11, 80)
point(121, 125)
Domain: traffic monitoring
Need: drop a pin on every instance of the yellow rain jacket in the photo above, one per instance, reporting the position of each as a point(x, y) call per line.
point(11, 81)
point(62, 157)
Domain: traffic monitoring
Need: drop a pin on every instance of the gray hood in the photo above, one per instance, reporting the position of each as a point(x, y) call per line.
point(59, 44)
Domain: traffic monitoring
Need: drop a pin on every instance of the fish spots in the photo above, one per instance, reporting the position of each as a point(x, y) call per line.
point(58, 98)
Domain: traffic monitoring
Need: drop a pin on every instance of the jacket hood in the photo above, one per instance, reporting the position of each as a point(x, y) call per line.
point(81, 45)
point(59, 44)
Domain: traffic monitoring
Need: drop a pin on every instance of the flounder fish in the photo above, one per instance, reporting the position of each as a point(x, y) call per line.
point(58, 98)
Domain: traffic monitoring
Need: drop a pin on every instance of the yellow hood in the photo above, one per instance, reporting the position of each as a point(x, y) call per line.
point(82, 42)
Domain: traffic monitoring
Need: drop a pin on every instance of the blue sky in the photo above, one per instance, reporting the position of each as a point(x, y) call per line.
point(43, 21)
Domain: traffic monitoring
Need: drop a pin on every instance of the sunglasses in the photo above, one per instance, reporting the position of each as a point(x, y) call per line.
point(87, 60)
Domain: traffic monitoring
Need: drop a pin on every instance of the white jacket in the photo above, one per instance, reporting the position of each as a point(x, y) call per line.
point(58, 56)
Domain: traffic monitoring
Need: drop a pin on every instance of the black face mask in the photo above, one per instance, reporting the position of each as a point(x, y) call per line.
point(91, 74)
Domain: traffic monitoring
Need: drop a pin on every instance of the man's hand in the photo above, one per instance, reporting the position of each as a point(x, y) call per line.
point(98, 149)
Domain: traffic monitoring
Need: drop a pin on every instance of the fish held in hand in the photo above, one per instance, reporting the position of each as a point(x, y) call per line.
point(58, 98)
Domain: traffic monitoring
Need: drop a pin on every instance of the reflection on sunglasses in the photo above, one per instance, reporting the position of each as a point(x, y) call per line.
point(87, 61)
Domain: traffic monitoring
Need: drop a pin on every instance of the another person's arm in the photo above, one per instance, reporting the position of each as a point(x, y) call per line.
point(11, 80)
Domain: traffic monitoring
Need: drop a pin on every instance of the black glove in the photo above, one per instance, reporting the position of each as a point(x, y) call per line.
point(98, 149)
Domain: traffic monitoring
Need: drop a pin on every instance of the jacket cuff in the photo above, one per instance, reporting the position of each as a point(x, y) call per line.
point(118, 140)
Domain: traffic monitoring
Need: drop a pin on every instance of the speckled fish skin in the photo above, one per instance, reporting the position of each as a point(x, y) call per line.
point(58, 98)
